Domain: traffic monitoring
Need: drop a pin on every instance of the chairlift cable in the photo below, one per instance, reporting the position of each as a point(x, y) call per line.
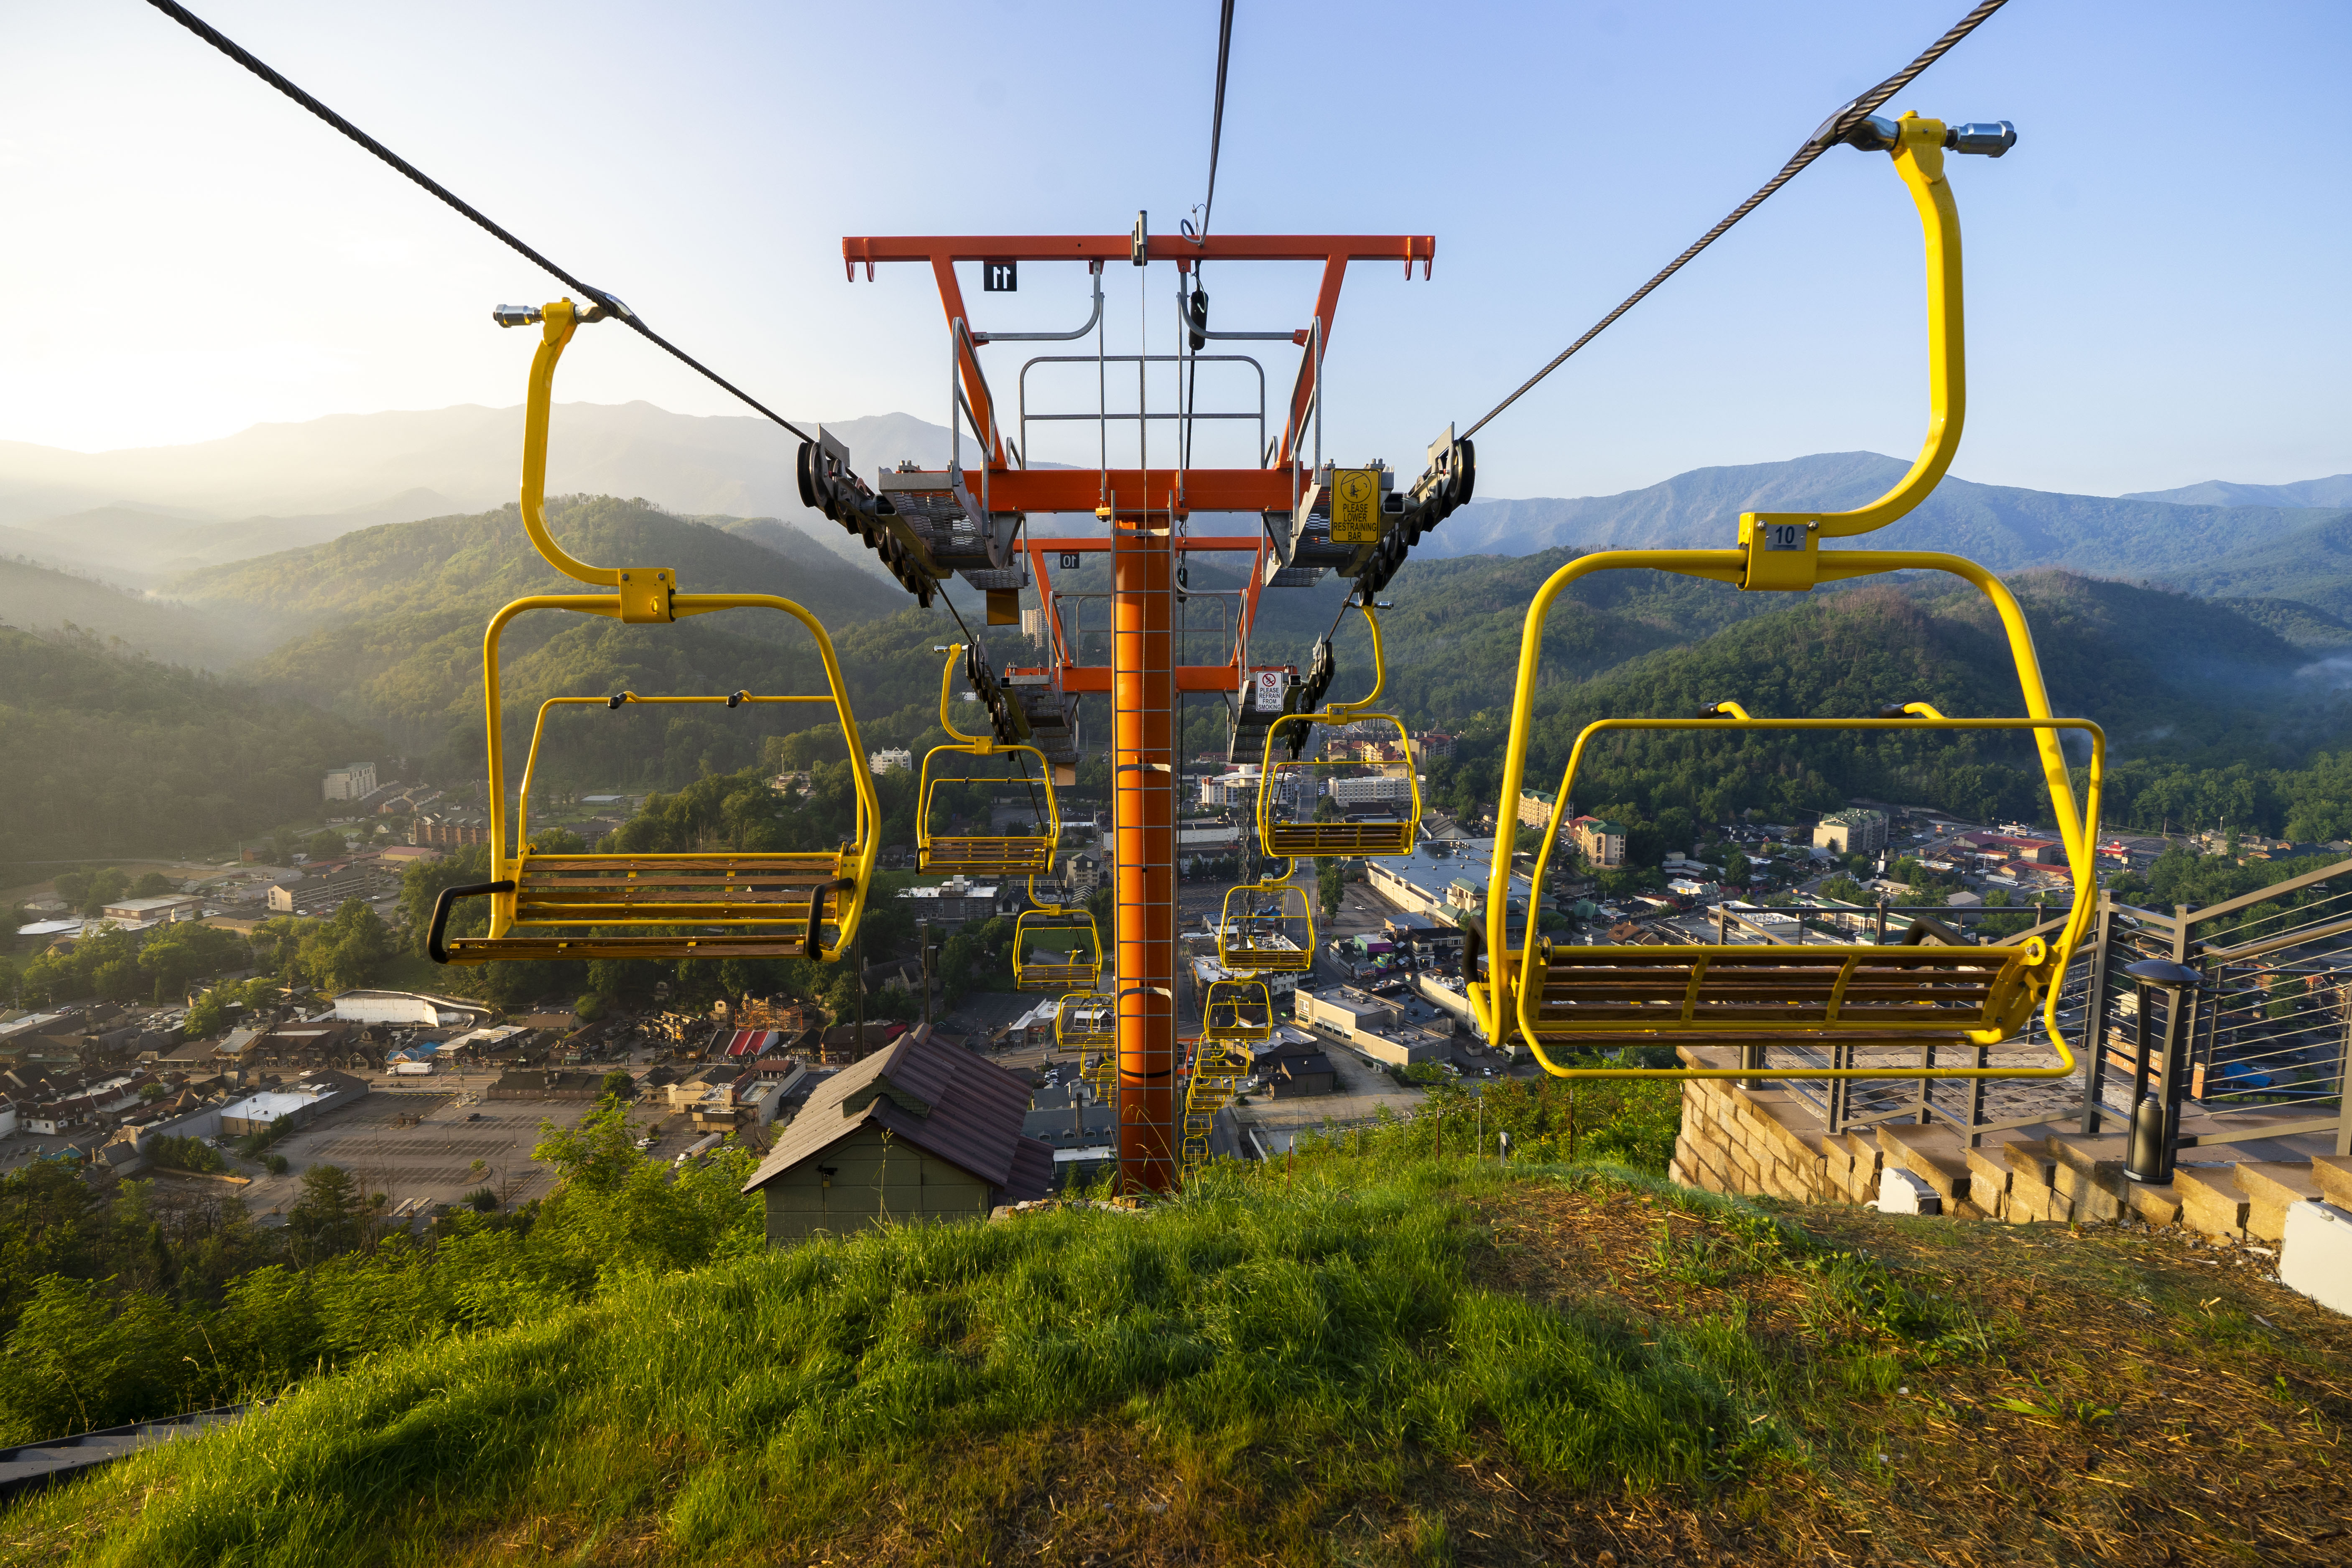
point(1217, 114)
point(1821, 140)
point(236, 51)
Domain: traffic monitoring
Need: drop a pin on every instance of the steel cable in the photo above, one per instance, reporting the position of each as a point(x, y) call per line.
point(235, 51)
point(1821, 141)
point(1217, 114)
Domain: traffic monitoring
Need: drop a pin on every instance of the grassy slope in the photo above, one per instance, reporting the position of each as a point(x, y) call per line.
point(1426, 1364)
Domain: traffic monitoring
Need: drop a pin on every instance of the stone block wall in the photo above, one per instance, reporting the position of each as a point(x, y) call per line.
point(1757, 1142)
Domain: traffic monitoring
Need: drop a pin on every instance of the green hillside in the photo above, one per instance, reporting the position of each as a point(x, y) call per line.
point(388, 627)
point(2307, 626)
point(2184, 682)
point(2312, 564)
point(106, 754)
point(42, 599)
point(480, 563)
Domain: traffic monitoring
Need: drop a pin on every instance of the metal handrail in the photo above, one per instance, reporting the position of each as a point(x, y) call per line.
point(1105, 417)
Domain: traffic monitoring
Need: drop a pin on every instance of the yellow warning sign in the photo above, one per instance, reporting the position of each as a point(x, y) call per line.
point(1355, 506)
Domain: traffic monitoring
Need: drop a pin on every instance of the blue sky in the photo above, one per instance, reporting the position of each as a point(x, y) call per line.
point(2156, 273)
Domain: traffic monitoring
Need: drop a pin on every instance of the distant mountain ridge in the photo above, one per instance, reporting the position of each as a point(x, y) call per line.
point(139, 515)
point(2005, 527)
point(2336, 490)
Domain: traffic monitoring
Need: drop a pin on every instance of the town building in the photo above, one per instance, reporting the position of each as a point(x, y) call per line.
point(956, 901)
point(922, 1131)
point(355, 781)
point(1536, 806)
point(1367, 791)
point(889, 760)
point(1372, 1025)
point(148, 911)
point(1858, 830)
point(1293, 1063)
point(1083, 874)
point(410, 1007)
point(457, 828)
point(321, 894)
point(1602, 844)
point(1445, 880)
point(1432, 746)
point(291, 1105)
point(546, 1083)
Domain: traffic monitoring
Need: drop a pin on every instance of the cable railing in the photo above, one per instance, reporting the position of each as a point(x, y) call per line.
point(2260, 1050)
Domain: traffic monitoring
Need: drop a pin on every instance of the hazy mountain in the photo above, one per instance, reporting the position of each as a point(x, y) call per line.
point(2002, 526)
point(132, 515)
point(2333, 492)
point(103, 754)
point(39, 599)
point(475, 563)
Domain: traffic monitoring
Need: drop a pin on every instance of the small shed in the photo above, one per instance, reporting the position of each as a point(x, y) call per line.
point(918, 1131)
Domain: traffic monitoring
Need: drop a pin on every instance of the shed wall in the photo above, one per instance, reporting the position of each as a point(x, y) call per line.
point(870, 1184)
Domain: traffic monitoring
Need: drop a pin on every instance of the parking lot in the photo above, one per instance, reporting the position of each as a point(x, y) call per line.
point(454, 1150)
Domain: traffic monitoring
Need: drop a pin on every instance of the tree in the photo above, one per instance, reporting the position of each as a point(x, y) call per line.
point(89, 891)
point(326, 845)
point(589, 1008)
point(1845, 890)
point(1328, 885)
point(346, 951)
point(152, 885)
point(325, 1220)
point(208, 1014)
point(176, 955)
point(618, 1085)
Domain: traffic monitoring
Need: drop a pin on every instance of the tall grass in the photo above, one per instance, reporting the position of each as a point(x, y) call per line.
point(1328, 1324)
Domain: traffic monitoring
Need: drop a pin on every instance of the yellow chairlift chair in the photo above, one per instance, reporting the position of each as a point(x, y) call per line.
point(1085, 1021)
point(1830, 1001)
point(1047, 969)
point(984, 854)
point(1368, 825)
point(657, 906)
point(1241, 1011)
point(1219, 1068)
point(1267, 927)
point(1833, 999)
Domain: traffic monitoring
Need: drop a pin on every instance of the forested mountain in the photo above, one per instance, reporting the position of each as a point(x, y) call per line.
point(41, 599)
point(395, 616)
point(2177, 683)
point(2333, 492)
point(2312, 565)
point(105, 754)
point(2307, 626)
point(478, 563)
point(2002, 526)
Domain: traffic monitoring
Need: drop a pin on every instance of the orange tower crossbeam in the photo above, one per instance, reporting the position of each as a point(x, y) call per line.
point(1143, 506)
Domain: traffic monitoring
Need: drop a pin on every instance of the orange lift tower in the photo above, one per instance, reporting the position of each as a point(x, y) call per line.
point(928, 524)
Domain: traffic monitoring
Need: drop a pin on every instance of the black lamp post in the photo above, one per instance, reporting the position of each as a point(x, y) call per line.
point(2156, 1107)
